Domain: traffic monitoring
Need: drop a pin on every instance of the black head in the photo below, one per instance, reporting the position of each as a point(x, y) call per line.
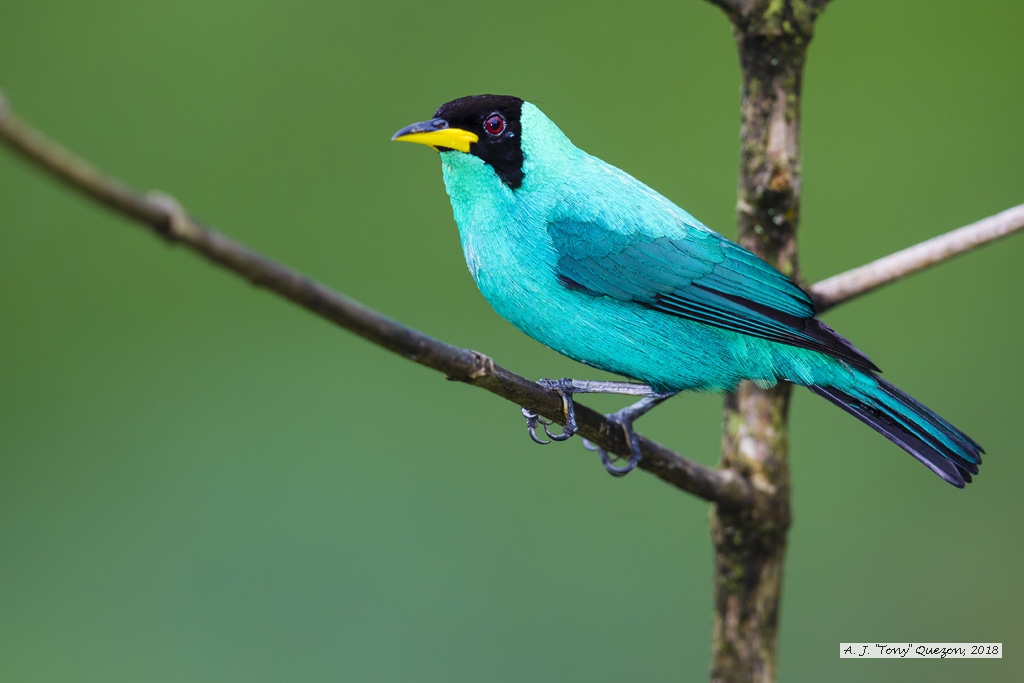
point(494, 120)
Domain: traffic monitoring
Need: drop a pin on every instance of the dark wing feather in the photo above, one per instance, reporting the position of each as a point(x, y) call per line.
point(704, 277)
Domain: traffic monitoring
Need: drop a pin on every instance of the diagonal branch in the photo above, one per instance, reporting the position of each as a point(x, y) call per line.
point(166, 218)
point(867, 278)
point(163, 215)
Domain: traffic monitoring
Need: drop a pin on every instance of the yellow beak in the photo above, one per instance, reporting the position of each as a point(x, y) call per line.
point(436, 133)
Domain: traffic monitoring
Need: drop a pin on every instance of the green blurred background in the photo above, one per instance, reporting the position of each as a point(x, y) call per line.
point(200, 482)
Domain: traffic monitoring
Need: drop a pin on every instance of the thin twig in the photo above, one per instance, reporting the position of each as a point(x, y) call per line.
point(853, 283)
point(166, 218)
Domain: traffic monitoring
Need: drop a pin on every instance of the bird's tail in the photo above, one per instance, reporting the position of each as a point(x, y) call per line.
point(940, 446)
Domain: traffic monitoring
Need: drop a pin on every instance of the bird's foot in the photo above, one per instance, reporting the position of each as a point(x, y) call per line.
point(564, 387)
point(625, 419)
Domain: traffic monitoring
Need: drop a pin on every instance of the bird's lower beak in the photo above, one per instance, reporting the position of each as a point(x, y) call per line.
point(437, 134)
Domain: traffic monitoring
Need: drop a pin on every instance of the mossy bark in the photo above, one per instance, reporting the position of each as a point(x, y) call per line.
point(750, 542)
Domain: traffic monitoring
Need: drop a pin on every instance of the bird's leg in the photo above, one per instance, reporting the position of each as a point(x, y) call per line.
point(625, 418)
point(566, 388)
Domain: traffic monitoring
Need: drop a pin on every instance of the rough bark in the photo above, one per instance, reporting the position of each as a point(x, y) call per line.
point(750, 543)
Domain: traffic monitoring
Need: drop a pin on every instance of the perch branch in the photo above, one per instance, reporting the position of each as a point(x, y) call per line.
point(167, 219)
point(163, 215)
point(853, 283)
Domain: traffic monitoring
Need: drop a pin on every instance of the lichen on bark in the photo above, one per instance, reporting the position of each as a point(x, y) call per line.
point(750, 542)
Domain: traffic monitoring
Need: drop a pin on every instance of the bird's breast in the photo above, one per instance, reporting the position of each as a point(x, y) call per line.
point(510, 259)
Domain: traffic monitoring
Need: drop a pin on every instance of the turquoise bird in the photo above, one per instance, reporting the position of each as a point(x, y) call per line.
point(588, 260)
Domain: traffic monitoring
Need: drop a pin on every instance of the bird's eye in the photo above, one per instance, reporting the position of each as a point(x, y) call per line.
point(494, 124)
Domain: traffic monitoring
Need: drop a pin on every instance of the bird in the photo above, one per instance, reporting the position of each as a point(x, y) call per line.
point(593, 263)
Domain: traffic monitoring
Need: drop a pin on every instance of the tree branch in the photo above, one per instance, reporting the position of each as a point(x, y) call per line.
point(867, 278)
point(167, 219)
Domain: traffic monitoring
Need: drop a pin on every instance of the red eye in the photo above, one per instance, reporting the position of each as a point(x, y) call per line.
point(495, 124)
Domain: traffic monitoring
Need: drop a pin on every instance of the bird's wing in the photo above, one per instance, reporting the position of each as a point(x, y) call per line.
point(702, 277)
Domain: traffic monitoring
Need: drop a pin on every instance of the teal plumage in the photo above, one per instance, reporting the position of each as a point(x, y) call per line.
point(593, 263)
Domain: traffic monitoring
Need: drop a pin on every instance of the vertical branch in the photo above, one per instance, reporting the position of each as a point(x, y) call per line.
point(750, 543)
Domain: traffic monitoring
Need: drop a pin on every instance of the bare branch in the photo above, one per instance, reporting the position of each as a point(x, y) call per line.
point(853, 283)
point(166, 218)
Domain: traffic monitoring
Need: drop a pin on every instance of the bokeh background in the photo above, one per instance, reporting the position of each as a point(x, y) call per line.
point(201, 482)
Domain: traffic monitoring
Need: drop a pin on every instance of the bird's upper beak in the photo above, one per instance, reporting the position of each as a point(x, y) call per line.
point(437, 134)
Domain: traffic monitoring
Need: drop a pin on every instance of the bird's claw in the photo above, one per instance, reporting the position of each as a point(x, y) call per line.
point(624, 418)
point(609, 459)
point(564, 389)
point(532, 420)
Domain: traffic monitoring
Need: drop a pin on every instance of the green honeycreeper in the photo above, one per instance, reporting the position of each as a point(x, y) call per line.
point(588, 260)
